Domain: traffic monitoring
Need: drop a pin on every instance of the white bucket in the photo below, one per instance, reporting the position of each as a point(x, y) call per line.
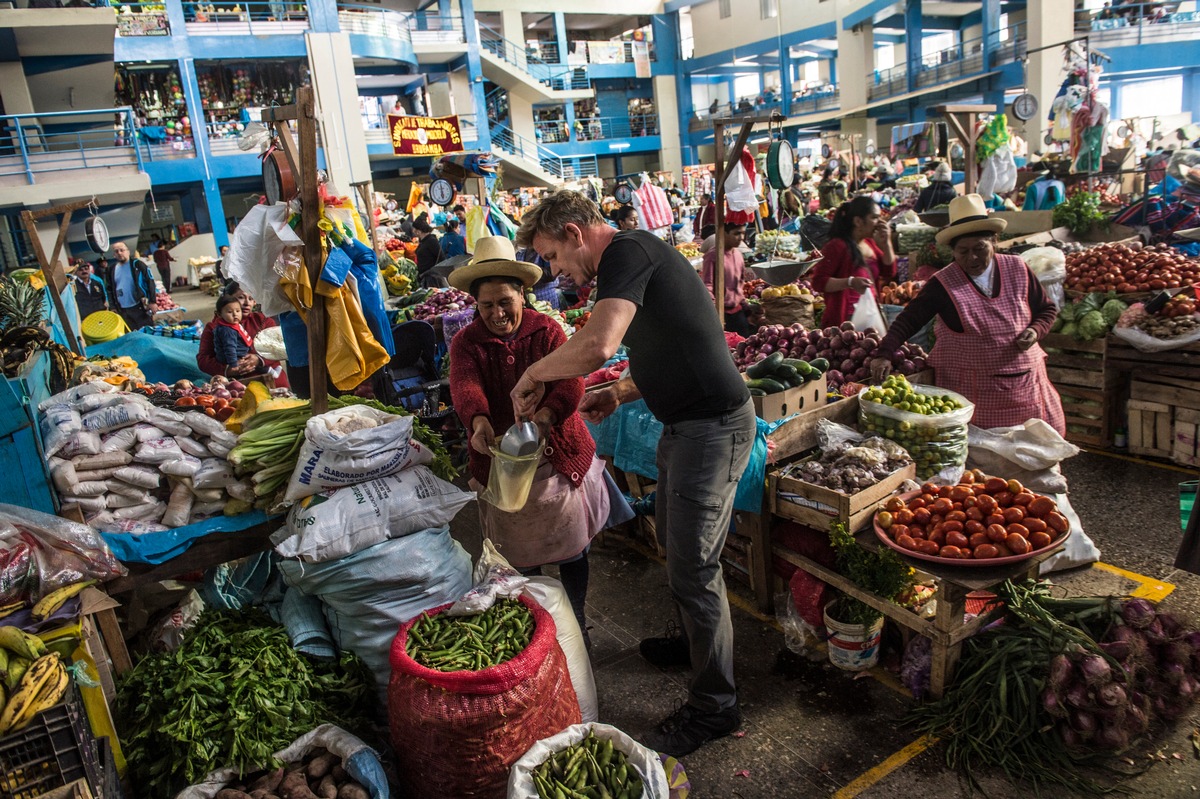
point(853, 647)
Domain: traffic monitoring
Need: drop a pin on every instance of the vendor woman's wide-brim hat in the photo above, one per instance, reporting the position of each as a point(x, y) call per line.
point(968, 215)
point(494, 257)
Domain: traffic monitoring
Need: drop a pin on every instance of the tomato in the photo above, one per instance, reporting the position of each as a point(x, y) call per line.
point(209, 412)
point(205, 400)
point(1034, 524)
point(996, 533)
point(938, 536)
point(974, 515)
point(903, 516)
point(952, 526)
point(970, 502)
point(917, 531)
point(219, 403)
point(1023, 499)
point(973, 526)
point(1041, 506)
point(950, 552)
point(1003, 498)
point(984, 551)
point(959, 493)
point(986, 503)
point(1039, 540)
point(956, 516)
point(225, 413)
point(942, 506)
point(944, 492)
point(907, 542)
point(897, 530)
point(995, 518)
point(1018, 529)
point(884, 519)
point(1057, 522)
point(1017, 545)
point(976, 539)
point(928, 548)
point(1014, 514)
point(930, 488)
point(956, 540)
point(916, 502)
point(185, 402)
point(995, 484)
point(893, 504)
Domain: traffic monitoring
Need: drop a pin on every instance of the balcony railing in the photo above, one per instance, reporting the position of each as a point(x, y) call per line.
point(628, 127)
point(101, 138)
point(562, 168)
point(431, 28)
point(374, 21)
point(249, 17)
point(555, 76)
point(952, 63)
point(1145, 23)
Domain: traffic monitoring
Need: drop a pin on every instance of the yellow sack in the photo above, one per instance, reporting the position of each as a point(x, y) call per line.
point(476, 226)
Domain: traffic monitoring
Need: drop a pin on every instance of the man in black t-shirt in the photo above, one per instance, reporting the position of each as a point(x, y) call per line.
point(650, 298)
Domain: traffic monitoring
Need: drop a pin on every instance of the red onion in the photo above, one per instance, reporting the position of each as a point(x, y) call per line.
point(1111, 736)
point(1095, 670)
point(1117, 650)
point(1170, 625)
point(1072, 739)
point(1060, 673)
point(1155, 634)
point(1136, 720)
point(1137, 613)
point(1077, 695)
point(1052, 704)
point(1112, 695)
point(1083, 722)
point(1173, 673)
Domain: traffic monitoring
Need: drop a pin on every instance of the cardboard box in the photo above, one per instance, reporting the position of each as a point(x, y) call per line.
point(817, 506)
point(801, 399)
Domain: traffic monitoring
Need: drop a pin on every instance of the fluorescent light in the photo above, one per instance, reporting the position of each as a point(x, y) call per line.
point(760, 141)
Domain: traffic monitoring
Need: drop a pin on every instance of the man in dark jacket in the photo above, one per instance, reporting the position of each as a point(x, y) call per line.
point(89, 291)
point(130, 288)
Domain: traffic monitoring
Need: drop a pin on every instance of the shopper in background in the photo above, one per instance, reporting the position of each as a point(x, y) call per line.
point(735, 269)
point(460, 211)
point(89, 291)
point(453, 242)
point(940, 190)
point(220, 267)
point(231, 342)
point(130, 289)
point(858, 257)
point(101, 269)
point(989, 311)
point(428, 253)
point(706, 216)
point(648, 297)
point(831, 190)
point(625, 217)
point(163, 260)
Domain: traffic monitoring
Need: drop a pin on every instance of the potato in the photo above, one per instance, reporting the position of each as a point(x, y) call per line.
point(232, 793)
point(262, 793)
point(352, 790)
point(320, 765)
point(295, 786)
point(339, 774)
point(328, 788)
point(269, 781)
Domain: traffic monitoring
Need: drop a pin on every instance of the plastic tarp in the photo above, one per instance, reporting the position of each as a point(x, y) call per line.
point(161, 359)
point(162, 546)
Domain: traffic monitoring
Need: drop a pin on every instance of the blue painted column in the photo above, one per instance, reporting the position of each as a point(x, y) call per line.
point(569, 116)
point(1114, 94)
point(914, 28)
point(990, 23)
point(191, 95)
point(916, 111)
point(176, 19)
point(560, 35)
point(475, 74)
point(785, 81)
point(732, 92)
point(322, 16)
point(445, 7)
point(833, 72)
point(216, 212)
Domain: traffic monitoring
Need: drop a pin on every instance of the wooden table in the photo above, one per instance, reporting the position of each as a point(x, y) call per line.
point(947, 629)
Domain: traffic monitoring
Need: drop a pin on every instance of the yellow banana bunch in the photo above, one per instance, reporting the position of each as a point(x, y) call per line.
point(42, 686)
point(19, 642)
point(50, 603)
point(10, 608)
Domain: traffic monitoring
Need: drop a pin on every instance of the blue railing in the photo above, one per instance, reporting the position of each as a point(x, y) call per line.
point(1146, 23)
point(562, 168)
point(247, 17)
point(34, 144)
point(554, 76)
point(430, 27)
point(628, 127)
point(374, 21)
point(951, 63)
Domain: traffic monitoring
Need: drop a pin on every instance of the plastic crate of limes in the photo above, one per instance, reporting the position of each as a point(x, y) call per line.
point(929, 422)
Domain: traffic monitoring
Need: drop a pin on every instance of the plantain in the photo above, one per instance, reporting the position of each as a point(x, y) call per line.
point(31, 693)
point(50, 603)
point(17, 666)
point(19, 642)
point(10, 608)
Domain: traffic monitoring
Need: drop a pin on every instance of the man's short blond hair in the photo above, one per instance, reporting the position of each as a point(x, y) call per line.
point(554, 212)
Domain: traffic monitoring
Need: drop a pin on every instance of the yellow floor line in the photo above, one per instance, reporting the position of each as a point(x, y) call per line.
point(1148, 587)
point(1135, 459)
point(874, 775)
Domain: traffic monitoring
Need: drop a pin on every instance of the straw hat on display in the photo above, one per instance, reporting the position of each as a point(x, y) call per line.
point(494, 257)
point(968, 214)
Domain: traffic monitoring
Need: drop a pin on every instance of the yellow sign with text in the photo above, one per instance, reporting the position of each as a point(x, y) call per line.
point(425, 135)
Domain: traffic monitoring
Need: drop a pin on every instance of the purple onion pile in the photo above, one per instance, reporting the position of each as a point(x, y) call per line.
point(441, 302)
point(848, 351)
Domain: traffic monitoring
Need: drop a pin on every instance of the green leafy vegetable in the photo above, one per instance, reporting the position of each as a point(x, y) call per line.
point(1092, 325)
point(881, 573)
point(1080, 213)
point(233, 693)
point(1112, 311)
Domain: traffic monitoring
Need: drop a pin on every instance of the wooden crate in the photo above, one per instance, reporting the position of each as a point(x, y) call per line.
point(1182, 363)
point(1091, 392)
point(1072, 362)
point(1174, 391)
point(1150, 430)
point(1185, 446)
point(817, 506)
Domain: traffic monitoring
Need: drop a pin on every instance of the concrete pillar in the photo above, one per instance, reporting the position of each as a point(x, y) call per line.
point(569, 116)
point(914, 26)
point(855, 64)
point(459, 86)
point(331, 65)
point(191, 95)
point(666, 102)
point(323, 16)
point(1046, 24)
point(1191, 95)
point(216, 212)
point(14, 89)
point(513, 30)
point(521, 116)
point(474, 75)
point(560, 36)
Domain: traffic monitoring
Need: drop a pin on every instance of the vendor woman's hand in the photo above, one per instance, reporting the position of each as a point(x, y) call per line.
point(527, 396)
point(482, 436)
point(1027, 339)
point(858, 283)
point(596, 406)
point(882, 234)
point(880, 368)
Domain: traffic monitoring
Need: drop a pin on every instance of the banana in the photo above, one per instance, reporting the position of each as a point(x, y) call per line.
point(25, 701)
point(17, 666)
point(51, 602)
point(19, 642)
point(10, 608)
point(3, 663)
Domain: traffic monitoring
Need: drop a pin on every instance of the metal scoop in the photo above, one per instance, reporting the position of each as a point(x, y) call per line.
point(520, 440)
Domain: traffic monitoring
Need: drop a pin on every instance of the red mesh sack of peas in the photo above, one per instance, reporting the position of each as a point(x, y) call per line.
point(470, 694)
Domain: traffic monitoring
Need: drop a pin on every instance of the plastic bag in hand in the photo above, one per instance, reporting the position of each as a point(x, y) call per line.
point(40, 553)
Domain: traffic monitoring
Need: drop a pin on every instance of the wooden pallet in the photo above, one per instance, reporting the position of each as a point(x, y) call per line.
point(1174, 391)
point(1091, 393)
point(1182, 363)
point(1185, 446)
point(1150, 428)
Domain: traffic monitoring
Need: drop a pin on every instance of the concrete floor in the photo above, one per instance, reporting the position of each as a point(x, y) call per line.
point(811, 730)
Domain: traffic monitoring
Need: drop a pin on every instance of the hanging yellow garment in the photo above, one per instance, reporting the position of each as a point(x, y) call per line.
point(477, 226)
point(416, 196)
point(352, 354)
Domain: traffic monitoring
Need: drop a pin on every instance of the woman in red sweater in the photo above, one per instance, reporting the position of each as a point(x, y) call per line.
point(858, 257)
point(251, 365)
point(570, 500)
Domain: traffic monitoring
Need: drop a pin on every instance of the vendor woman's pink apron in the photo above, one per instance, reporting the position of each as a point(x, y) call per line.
point(983, 363)
point(557, 521)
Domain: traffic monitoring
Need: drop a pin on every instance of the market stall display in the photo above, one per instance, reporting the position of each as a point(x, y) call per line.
point(845, 352)
point(929, 422)
point(1130, 269)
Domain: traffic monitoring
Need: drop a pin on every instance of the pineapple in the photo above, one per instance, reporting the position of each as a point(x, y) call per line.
point(21, 305)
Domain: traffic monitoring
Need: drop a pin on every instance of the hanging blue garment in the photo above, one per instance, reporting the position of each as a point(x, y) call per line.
point(1044, 195)
point(352, 256)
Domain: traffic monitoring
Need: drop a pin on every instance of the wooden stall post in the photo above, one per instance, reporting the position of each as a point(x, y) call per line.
point(52, 268)
point(735, 155)
point(962, 119)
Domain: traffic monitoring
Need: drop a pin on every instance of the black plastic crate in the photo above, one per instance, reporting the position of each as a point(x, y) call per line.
point(55, 749)
point(111, 788)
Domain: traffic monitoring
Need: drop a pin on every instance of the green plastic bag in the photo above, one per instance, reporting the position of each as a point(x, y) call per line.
point(1187, 497)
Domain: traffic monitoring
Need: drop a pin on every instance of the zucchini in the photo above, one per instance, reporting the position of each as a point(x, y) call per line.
point(765, 367)
point(820, 364)
point(789, 375)
point(757, 392)
point(766, 384)
point(804, 368)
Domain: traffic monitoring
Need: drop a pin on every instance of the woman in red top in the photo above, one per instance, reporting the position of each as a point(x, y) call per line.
point(858, 257)
point(570, 498)
point(253, 322)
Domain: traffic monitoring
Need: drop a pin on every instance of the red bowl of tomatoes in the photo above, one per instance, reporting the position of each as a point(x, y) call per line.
point(981, 523)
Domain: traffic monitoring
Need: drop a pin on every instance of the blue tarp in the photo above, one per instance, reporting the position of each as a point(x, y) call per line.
point(161, 359)
point(162, 546)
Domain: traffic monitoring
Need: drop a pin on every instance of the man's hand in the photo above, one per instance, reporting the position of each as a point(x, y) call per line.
point(482, 436)
point(526, 396)
point(596, 406)
point(1027, 339)
point(880, 368)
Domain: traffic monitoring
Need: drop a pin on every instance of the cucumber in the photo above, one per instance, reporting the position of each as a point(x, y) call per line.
point(789, 375)
point(765, 367)
point(766, 384)
point(820, 364)
point(804, 368)
point(757, 392)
